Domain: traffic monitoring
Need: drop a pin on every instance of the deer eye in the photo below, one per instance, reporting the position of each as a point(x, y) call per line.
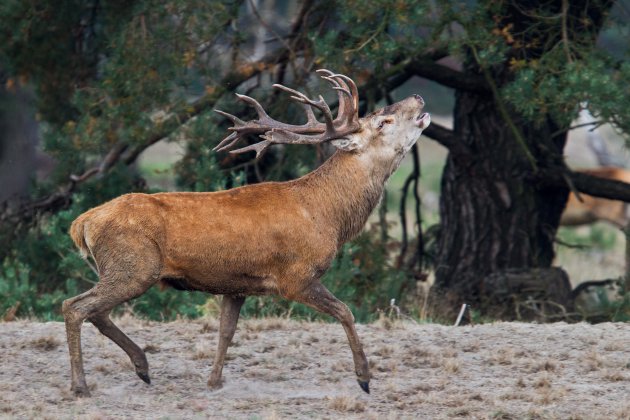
point(383, 122)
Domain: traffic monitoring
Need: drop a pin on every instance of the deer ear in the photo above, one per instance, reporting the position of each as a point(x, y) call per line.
point(346, 144)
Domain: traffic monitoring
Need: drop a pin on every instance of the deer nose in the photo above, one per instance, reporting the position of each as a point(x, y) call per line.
point(419, 99)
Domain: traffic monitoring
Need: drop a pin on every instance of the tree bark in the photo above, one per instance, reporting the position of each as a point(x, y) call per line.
point(493, 217)
point(498, 215)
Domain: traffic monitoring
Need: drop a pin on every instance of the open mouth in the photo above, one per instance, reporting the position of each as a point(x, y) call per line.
point(423, 120)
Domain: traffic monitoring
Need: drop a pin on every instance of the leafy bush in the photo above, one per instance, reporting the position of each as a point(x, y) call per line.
point(599, 236)
point(615, 309)
point(18, 292)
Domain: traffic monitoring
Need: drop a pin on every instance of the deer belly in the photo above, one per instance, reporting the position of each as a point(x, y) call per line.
point(241, 284)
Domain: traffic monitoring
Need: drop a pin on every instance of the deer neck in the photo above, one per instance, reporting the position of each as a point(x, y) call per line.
point(343, 191)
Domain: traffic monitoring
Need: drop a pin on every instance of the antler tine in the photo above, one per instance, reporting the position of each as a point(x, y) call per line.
point(353, 90)
point(323, 106)
point(348, 106)
point(295, 94)
point(231, 117)
point(302, 98)
point(310, 115)
point(336, 86)
point(259, 147)
point(231, 139)
point(262, 114)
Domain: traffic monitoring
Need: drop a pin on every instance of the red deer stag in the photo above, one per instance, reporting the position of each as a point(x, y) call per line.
point(269, 238)
point(592, 209)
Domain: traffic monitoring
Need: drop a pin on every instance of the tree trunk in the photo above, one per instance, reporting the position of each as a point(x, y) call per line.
point(493, 217)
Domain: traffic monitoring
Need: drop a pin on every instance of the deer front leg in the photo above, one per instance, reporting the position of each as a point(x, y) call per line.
point(318, 297)
point(230, 309)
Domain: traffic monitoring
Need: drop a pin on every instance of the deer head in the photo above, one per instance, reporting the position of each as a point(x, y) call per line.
point(383, 136)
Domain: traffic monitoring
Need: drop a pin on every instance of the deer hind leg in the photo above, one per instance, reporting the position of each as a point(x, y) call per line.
point(139, 360)
point(230, 309)
point(121, 279)
point(74, 318)
point(318, 297)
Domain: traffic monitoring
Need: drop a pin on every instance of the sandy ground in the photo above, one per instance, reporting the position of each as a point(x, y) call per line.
point(287, 369)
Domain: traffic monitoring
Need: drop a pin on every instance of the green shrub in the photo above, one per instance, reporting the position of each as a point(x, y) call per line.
point(19, 292)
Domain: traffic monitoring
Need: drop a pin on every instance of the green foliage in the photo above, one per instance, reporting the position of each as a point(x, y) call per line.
point(169, 304)
point(616, 309)
point(374, 34)
point(199, 169)
point(599, 236)
point(19, 291)
point(540, 90)
point(619, 309)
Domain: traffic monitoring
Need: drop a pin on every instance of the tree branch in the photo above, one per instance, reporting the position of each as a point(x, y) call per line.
point(445, 137)
point(448, 77)
point(121, 152)
point(601, 187)
point(587, 184)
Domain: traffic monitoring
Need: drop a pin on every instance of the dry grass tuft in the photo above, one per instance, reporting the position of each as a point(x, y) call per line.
point(542, 382)
point(544, 366)
point(502, 415)
point(624, 413)
point(151, 349)
point(208, 327)
point(272, 415)
point(97, 416)
point(450, 365)
point(201, 355)
point(104, 369)
point(593, 361)
point(265, 324)
point(45, 343)
point(614, 376)
point(548, 395)
point(384, 351)
point(472, 347)
point(460, 412)
point(613, 346)
point(503, 357)
point(513, 395)
point(346, 404)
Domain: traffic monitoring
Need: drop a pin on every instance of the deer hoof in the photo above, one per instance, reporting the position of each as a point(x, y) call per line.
point(144, 376)
point(81, 392)
point(214, 385)
point(365, 385)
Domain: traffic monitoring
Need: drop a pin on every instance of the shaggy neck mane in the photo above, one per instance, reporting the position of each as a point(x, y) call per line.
point(343, 191)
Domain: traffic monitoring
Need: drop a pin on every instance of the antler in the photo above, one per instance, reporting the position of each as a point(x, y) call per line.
point(312, 132)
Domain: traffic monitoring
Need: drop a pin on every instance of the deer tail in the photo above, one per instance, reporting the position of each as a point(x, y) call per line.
point(77, 233)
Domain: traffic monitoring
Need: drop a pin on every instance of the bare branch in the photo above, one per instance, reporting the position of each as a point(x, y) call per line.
point(123, 153)
point(585, 183)
point(442, 135)
point(448, 77)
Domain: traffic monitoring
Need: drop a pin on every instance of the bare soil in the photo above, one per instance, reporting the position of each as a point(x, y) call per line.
point(286, 369)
